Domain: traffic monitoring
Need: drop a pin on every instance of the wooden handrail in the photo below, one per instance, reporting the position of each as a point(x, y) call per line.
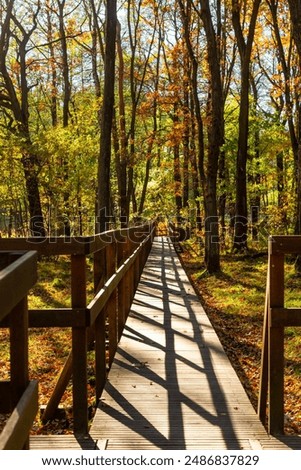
point(284, 244)
point(15, 281)
point(19, 396)
point(18, 426)
point(276, 318)
point(101, 298)
point(72, 245)
point(119, 257)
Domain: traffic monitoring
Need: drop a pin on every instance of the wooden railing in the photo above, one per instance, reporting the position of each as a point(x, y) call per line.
point(19, 396)
point(276, 318)
point(118, 260)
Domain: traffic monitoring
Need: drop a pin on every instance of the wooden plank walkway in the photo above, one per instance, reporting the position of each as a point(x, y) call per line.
point(171, 385)
point(66, 442)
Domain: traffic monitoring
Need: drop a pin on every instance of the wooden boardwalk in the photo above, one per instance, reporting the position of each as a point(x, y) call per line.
point(171, 385)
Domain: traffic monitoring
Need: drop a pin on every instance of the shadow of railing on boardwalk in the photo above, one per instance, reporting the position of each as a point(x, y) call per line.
point(127, 413)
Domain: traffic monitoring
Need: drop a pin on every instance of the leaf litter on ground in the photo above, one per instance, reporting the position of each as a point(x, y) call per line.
point(234, 302)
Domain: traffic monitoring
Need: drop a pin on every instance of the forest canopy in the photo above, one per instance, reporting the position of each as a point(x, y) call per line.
point(206, 116)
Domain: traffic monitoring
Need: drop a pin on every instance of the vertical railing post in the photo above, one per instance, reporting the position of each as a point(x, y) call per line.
point(140, 263)
point(128, 277)
point(99, 269)
point(136, 267)
point(100, 326)
point(121, 296)
point(79, 347)
point(264, 379)
point(111, 307)
point(19, 349)
point(132, 273)
point(19, 352)
point(276, 346)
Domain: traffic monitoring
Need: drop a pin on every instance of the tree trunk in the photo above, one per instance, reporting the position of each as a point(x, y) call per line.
point(195, 175)
point(245, 49)
point(273, 5)
point(66, 115)
point(19, 106)
point(123, 147)
point(186, 137)
point(208, 175)
point(241, 207)
point(33, 195)
point(145, 183)
point(104, 161)
point(177, 179)
point(54, 91)
point(223, 196)
point(295, 11)
point(215, 141)
point(255, 176)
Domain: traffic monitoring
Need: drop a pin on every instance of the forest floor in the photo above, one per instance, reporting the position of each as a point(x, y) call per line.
point(233, 299)
point(234, 302)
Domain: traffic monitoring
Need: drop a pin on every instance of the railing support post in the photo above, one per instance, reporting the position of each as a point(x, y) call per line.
point(111, 307)
point(100, 325)
point(19, 352)
point(276, 348)
point(264, 379)
point(121, 296)
point(79, 347)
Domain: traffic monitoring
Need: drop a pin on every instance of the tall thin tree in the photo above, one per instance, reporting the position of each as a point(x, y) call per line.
point(295, 12)
point(245, 51)
point(14, 102)
point(104, 161)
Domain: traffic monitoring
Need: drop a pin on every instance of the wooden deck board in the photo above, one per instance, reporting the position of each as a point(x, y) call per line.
point(65, 442)
point(171, 385)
